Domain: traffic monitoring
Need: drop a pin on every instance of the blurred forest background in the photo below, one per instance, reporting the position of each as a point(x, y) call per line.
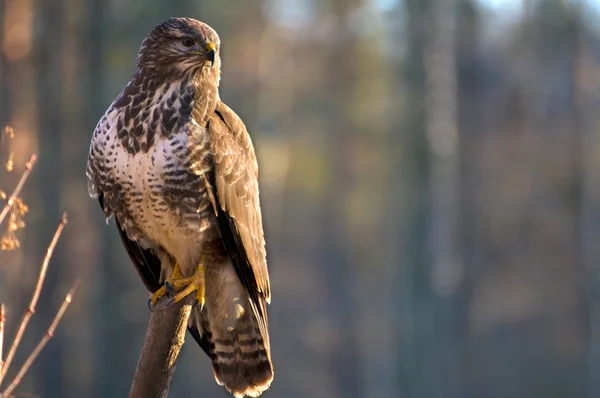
point(430, 176)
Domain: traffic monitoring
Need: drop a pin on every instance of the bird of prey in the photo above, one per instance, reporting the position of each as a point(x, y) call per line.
point(177, 169)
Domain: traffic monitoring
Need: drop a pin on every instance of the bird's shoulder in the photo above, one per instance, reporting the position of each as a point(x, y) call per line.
point(230, 140)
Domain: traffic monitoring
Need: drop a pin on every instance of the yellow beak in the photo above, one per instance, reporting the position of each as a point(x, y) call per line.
point(209, 52)
point(209, 46)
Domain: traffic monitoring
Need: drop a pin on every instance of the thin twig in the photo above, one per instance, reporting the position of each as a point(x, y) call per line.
point(49, 334)
point(36, 294)
point(17, 191)
point(2, 320)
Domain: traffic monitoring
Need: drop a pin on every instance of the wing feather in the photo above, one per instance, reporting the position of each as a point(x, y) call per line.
point(238, 206)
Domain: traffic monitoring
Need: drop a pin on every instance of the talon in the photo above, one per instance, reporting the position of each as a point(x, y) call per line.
point(200, 298)
point(189, 285)
point(196, 303)
point(169, 288)
point(165, 290)
point(156, 296)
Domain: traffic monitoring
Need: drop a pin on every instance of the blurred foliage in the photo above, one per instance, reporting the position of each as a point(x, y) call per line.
point(430, 183)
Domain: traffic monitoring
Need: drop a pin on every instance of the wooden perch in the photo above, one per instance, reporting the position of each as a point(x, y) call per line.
point(164, 338)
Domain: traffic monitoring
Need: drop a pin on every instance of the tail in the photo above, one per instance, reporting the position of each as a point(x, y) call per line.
point(237, 337)
point(241, 360)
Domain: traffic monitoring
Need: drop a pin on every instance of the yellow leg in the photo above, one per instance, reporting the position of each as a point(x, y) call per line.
point(195, 282)
point(163, 291)
point(176, 272)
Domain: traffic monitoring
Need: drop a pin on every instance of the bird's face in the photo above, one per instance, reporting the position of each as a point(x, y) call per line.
point(179, 47)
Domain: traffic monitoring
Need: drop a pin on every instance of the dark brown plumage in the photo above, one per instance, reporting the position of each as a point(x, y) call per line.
point(178, 170)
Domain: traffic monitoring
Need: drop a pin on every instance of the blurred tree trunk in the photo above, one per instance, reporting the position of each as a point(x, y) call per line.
point(562, 43)
point(417, 348)
point(48, 177)
point(441, 130)
point(18, 102)
point(81, 237)
point(470, 113)
point(585, 256)
point(586, 97)
point(373, 205)
point(590, 250)
point(442, 139)
point(5, 105)
point(340, 276)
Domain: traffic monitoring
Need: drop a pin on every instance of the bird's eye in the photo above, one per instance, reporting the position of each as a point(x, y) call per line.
point(187, 42)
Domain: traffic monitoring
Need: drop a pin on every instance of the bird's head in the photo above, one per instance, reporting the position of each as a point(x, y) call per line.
point(180, 47)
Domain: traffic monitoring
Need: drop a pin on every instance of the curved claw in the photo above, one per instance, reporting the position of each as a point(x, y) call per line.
point(169, 289)
point(160, 304)
point(156, 297)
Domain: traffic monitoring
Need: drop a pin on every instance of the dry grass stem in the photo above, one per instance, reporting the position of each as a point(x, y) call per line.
point(49, 334)
point(14, 210)
point(36, 294)
point(17, 191)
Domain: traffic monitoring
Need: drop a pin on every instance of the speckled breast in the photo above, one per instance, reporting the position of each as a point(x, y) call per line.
point(151, 160)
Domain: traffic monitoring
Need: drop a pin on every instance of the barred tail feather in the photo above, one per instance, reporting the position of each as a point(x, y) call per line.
point(241, 362)
point(236, 334)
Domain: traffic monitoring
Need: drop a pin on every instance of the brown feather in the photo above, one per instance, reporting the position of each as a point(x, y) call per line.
point(240, 227)
point(236, 177)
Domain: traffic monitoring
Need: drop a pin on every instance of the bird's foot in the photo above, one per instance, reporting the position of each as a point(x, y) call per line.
point(157, 301)
point(156, 296)
point(185, 286)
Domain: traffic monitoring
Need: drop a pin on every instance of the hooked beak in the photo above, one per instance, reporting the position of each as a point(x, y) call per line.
point(209, 52)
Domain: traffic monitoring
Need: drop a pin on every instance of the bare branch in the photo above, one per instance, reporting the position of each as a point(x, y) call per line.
point(2, 320)
point(49, 334)
point(17, 191)
point(164, 338)
point(36, 294)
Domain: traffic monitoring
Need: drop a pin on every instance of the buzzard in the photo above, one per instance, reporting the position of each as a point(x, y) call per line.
point(177, 169)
